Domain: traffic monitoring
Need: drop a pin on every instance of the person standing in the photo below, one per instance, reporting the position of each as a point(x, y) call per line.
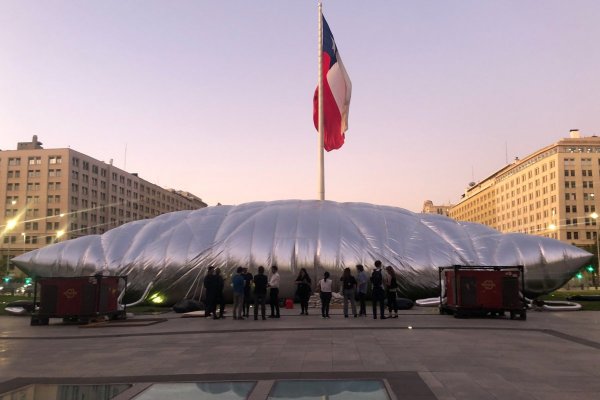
point(325, 294)
point(303, 284)
point(219, 298)
point(210, 292)
point(247, 291)
point(363, 284)
point(348, 291)
point(238, 282)
point(260, 292)
point(274, 292)
point(391, 287)
point(378, 292)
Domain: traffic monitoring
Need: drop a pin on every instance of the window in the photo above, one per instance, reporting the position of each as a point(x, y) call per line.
point(14, 161)
point(33, 173)
point(85, 165)
point(31, 239)
point(34, 160)
point(54, 160)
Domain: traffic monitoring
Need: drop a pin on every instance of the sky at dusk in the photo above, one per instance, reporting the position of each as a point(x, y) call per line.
point(215, 97)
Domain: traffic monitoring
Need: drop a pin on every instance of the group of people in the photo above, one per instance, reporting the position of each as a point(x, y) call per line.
point(383, 285)
point(249, 289)
point(242, 283)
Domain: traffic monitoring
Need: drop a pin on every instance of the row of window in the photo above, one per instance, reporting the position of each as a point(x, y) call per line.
point(16, 161)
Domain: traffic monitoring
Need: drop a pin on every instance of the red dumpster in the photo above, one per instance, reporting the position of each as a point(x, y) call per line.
point(78, 298)
point(468, 290)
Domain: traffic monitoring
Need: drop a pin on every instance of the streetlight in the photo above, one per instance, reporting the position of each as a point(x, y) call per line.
point(595, 216)
point(10, 225)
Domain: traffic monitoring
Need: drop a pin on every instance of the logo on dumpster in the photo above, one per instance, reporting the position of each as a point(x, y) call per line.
point(488, 284)
point(70, 293)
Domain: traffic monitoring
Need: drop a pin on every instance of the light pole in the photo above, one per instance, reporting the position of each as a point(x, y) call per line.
point(10, 224)
point(595, 216)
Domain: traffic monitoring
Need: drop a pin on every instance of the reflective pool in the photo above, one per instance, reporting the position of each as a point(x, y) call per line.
point(197, 391)
point(329, 389)
point(66, 392)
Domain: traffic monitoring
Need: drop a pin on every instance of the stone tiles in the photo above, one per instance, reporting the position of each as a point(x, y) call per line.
point(551, 355)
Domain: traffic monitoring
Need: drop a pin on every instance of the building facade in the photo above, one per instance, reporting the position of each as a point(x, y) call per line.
point(549, 193)
point(52, 195)
point(430, 208)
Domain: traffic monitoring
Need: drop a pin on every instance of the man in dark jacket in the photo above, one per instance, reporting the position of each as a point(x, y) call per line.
point(260, 292)
point(378, 292)
point(210, 288)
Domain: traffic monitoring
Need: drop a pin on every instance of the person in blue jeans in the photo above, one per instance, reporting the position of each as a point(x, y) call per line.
point(238, 282)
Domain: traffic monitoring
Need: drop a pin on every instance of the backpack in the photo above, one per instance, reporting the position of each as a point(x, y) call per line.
point(376, 278)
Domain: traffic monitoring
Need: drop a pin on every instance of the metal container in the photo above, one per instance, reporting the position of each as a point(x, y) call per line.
point(480, 291)
point(78, 298)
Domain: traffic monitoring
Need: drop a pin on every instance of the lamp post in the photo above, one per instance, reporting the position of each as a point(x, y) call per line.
point(10, 224)
point(595, 216)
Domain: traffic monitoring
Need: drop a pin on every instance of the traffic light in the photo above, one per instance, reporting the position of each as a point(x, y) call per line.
point(6, 279)
point(579, 275)
point(28, 281)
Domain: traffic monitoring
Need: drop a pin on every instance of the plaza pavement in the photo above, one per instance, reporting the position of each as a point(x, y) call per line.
point(551, 355)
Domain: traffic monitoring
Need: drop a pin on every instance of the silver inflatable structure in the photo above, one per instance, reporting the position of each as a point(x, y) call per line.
point(172, 251)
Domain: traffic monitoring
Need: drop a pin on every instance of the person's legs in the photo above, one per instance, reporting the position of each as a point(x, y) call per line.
point(322, 295)
point(374, 302)
point(276, 302)
point(263, 300)
point(208, 305)
point(247, 302)
point(256, 297)
point(238, 305)
point(272, 300)
point(353, 303)
point(346, 299)
point(363, 304)
point(327, 301)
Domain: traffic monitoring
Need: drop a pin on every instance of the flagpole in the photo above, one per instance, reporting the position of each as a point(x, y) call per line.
point(321, 116)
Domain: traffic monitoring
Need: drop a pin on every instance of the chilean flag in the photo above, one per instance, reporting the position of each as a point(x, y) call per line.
point(337, 89)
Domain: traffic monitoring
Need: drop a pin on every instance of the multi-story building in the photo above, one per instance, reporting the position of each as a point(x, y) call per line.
point(430, 208)
point(51, 195)
point(551, 192)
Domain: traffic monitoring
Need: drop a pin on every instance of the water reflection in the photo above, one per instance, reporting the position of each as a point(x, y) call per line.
point(66, 392)
point(198, 391)
point(332, 390)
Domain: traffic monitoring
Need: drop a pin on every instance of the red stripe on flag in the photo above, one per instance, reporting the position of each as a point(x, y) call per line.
point(333, 135)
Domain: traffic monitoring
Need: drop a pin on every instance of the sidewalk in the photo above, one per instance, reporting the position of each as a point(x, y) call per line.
point(551, 355)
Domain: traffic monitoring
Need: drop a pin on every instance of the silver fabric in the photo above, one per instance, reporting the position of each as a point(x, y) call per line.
point(173, 250)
